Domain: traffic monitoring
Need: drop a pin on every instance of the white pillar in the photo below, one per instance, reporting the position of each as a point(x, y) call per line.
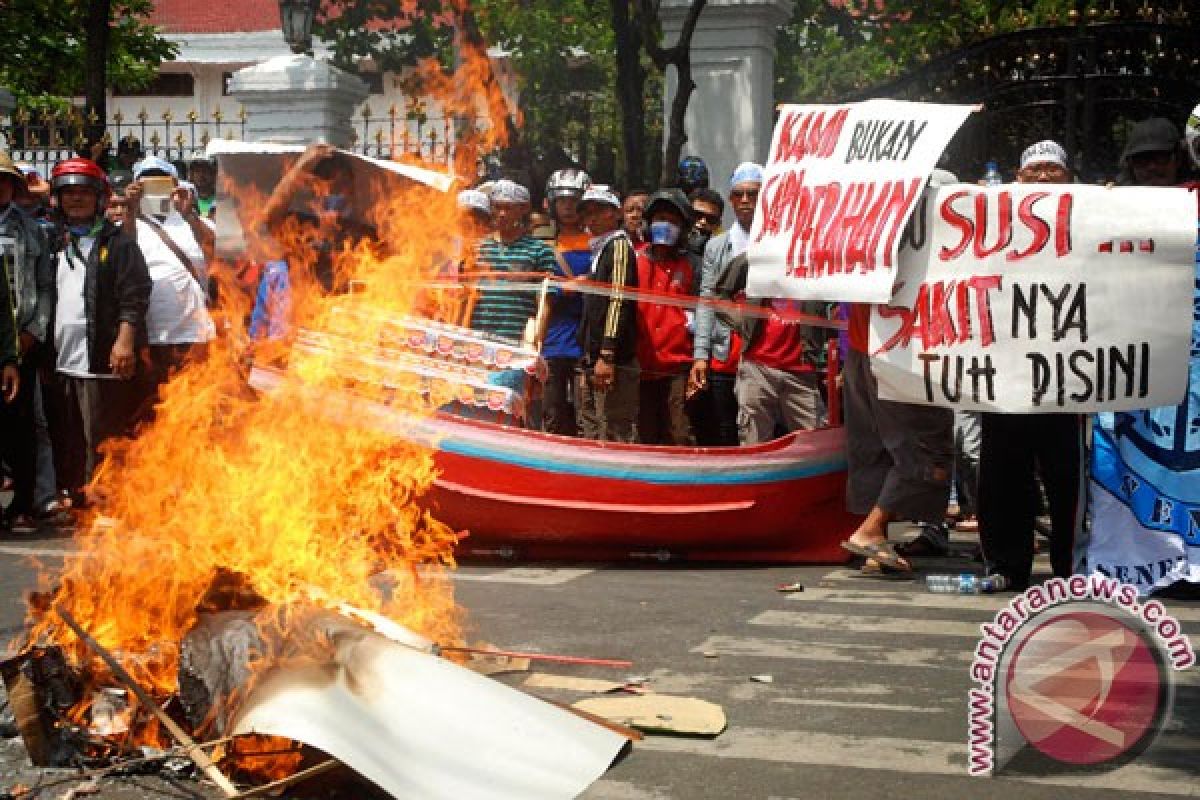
point(732, 110)
point(297, 99)
point(8, 104)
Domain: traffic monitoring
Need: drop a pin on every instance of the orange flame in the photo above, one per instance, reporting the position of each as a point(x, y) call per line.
point(308, 508)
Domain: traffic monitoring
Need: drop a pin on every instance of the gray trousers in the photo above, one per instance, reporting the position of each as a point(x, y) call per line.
point(608, 416)
point(968, 439)
point(899, 456)
point(769, 397)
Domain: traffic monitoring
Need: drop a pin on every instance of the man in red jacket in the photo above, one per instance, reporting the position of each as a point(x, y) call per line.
point(664, 339)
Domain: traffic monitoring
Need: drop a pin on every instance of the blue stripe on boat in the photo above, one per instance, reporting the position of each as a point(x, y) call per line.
point(783, 472)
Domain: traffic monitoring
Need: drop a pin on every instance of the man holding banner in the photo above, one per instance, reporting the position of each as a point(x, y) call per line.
point(1017, 447)
point(840, 186)
point(1033, 299)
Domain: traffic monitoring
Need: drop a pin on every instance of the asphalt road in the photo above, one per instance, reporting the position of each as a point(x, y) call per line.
point(867, 682)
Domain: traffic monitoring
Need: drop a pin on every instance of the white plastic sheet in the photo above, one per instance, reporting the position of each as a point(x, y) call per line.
point(419, 726)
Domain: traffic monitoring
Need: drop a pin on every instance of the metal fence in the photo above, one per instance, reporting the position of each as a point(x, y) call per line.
point(43, 139)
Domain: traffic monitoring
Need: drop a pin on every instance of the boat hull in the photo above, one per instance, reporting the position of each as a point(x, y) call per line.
point(526, 496)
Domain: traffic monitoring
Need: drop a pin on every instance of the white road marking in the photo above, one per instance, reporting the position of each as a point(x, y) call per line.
point(861, 623)
point(621, 790)
point(911, 756)
point(882, 653)
point(53, 552)
point(918, 598)
point(526, 576)
point(902, 709)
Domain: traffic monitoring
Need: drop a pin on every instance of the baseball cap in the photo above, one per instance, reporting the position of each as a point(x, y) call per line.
point(474, 200)
point(1154, 135)
point(506, 191)
point(1046, 151)
point(746, 172)
point(155, 164)
point(600, 193)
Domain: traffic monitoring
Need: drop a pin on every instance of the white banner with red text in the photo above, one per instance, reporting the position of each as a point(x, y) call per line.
point(1040, 298)
point(840, 184)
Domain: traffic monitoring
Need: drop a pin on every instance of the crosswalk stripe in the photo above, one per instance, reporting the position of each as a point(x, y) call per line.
point(882, 654)
point(918, 598)
point(45, 552)
point(894, 707)
point(527, 576)
point(855, 623)
point(913, 756)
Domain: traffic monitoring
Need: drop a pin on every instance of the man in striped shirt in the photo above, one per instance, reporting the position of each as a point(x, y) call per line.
point(499, 310)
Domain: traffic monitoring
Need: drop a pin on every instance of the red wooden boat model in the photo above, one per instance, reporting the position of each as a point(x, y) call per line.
point(526, 495)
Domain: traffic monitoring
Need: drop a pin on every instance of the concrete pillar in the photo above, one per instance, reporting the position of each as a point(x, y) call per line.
point(732, 110)
point(8, 104)
point(297, 99)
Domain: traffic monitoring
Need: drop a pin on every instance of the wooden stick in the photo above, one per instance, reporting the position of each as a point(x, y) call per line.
point(615, 663)
point(190, 748)
point(302, 775)
point(632, 734)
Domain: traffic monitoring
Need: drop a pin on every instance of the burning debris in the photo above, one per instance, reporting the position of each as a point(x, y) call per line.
point(343, 691)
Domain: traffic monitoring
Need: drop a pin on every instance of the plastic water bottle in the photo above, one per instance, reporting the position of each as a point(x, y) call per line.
point(992, 176)
point(965, 583)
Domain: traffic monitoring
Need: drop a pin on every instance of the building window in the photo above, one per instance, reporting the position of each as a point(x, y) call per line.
point(167, 84)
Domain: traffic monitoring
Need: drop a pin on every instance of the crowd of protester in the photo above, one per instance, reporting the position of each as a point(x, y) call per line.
point(107, 280)
point(620, 368)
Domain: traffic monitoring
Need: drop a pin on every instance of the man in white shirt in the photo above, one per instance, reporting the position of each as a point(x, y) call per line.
point(173, 239)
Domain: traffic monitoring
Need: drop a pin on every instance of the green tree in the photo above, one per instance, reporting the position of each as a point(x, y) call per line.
point(832, 48)
point(590, 76)
point(57, 50)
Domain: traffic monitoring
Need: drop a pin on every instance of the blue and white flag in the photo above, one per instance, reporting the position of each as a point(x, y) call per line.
point(1146, 488)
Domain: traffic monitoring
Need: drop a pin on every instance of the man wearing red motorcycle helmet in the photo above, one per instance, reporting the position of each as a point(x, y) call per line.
point(103, 289)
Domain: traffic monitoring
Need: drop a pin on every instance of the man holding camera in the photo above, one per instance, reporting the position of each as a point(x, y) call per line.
point(161, 215)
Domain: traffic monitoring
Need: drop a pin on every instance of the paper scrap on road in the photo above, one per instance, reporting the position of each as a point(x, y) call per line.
point(543, 680)
point(660, 713)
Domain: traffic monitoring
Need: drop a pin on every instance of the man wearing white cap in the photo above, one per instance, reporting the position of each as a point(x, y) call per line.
point(171, 236)
point(607, 397)
point(777, 380)
point(1016, 448)
point(501, 311)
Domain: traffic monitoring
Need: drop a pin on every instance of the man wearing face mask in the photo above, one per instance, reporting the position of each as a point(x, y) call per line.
point(664, 341)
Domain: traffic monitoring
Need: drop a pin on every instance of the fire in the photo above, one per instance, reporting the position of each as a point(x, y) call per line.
point(307, 509)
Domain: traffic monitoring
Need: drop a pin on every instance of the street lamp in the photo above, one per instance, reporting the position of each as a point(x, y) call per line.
point(296, 18)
